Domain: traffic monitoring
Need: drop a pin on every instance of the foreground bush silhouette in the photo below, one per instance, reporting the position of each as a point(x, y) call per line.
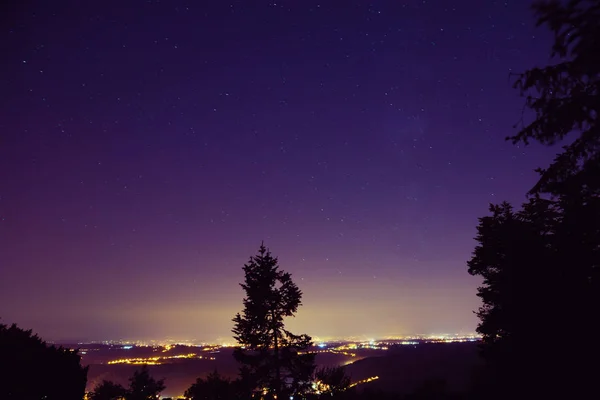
point(30, 369)
point(108, 390)
point(213, 387)
point(142, 386)
point(331, 381)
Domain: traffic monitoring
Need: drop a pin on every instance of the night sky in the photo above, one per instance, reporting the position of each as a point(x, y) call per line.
point(147, 147)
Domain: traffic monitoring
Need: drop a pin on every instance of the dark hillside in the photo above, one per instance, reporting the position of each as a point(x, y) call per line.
point(406, 368)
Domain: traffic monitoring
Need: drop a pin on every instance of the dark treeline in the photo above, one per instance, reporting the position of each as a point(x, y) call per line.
point(30, 369)
point(539, 264)
point(142, 386)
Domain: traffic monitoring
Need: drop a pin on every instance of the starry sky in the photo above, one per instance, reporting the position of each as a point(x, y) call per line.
point(147, 147)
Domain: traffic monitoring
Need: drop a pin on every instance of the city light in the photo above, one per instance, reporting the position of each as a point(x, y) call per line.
point(157, 360)
point(371, 379)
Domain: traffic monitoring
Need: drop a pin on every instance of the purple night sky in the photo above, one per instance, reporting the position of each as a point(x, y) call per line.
point(147, 147)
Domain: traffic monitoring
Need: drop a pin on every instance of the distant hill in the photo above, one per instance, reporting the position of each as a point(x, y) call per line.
point(400, 369)
point(179, 374)
point(406, 368)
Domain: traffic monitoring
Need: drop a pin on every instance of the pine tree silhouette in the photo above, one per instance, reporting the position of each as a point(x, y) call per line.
point(270, 354)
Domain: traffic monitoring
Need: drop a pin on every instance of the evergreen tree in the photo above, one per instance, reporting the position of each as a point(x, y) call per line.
point(33, 370)
point(271, 355)
point(142, 386)
point(540, 265)
point(565, 98)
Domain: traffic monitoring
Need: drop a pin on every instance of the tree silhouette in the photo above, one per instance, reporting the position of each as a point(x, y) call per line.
point(511, 257)
point(270, 354)
point(331, 380)
point(565, 97)
point(540, 276)
point(32, 369)
point(214, 387)
point(540, 264)
point(142, 386)
point(108, 390)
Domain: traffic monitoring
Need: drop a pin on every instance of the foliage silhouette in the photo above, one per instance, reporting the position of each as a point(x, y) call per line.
point(565, 97)
point(332, 380)
point(213, 387)
point(108, 390)
point(539, 270)
point(540, 265)
point(32, 369)
point(142, 386)
point(270, 354)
